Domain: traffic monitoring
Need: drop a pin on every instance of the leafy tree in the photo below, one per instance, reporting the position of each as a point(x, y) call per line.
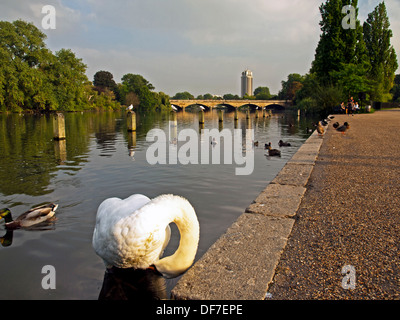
point(396, 89)
point(208, 96)
point(183, 96)
point(291, 86)
point(140, 87)
point(337, 45)
point(382, 56)
point(230, 96)
point(351, 78)
point(33, 78)
point(262, 93)
point(104, 79)
point(23, 57)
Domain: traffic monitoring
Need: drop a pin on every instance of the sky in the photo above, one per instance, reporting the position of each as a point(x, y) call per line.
point(199, 46)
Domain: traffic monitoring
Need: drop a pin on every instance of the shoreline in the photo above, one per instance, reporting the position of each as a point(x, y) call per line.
point(241, 264)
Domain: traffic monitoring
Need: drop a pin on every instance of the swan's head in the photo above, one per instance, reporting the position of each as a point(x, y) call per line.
point(133, 233)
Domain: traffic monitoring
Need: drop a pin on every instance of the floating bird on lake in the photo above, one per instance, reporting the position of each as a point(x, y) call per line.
point(174, 108)
point(133, 233)
point(284, 144)
point(272, 152)
point(130, 108)
point(202, 108)
point(31, 217)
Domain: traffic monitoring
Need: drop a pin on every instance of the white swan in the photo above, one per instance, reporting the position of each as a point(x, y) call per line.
point(133, 233)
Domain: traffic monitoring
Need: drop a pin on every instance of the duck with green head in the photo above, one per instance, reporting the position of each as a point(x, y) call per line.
point(31, 217)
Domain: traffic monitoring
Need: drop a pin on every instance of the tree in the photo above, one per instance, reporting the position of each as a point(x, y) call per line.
point(396, 89)
point(262, 93)
point(33, 78)
point(183, 96)
point(69, 81)
point(351, 78)
point(382, 56)
point(291, 86)
point(104, 79)
point(24, 57)
point(230, 96)
point(137, 84)
point(337, 45)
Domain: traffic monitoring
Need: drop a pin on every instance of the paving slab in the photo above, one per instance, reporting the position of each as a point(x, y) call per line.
point(240, 264)
point(278, 200)
point(294, 174)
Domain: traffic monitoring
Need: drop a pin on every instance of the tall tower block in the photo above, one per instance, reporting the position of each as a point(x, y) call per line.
point(247, 83)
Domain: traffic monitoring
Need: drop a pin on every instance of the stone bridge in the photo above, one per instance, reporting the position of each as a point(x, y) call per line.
point(209, 104)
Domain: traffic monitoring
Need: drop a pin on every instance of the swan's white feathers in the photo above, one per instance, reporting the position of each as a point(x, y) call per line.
point(133, 233)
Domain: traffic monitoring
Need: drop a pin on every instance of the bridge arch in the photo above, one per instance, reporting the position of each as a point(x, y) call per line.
point(198, 106)
point(275, 106)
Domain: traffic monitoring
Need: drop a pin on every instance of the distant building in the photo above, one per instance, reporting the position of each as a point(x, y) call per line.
point(247, 83)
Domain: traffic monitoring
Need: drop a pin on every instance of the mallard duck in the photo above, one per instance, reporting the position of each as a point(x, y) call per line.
point(31, 217)
point(324, 122)
point(320, 129)
point(336, 125)
point(272, 152)
point(343, 128)
point(284, 144)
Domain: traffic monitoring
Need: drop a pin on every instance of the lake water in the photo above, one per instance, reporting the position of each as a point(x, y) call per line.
point(101, 159)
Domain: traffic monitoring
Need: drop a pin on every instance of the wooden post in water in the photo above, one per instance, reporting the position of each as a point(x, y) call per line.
point(131, 121)
point(201, 117)
point(263, 112)
point(59, 126)
point(220, 116)
point(236, 114)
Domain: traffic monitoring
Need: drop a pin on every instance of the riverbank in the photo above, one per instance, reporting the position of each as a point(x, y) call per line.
point(334, 204)
point(242, 262)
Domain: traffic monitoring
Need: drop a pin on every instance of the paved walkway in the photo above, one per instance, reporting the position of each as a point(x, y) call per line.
point(349, 216)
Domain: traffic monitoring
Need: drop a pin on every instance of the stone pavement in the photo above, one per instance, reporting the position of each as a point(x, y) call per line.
point(349, 216)
point(334, 205)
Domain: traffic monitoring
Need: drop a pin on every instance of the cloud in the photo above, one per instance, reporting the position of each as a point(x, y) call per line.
point(190, 45)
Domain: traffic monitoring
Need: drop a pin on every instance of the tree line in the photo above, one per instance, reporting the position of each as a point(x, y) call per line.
point(32, 78)
point(260, 93)
point(357, 62)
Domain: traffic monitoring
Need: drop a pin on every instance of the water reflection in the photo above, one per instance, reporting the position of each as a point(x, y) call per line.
point(6, 240)
point(95, 161)
point(133, 284)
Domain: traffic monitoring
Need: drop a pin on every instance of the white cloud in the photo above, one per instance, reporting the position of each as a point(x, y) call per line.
point(195, 45)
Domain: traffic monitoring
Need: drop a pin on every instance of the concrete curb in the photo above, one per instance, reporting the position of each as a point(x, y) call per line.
point(241, 264)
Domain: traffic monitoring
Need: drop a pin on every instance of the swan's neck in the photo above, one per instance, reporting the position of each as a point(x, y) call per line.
point(184, 216)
